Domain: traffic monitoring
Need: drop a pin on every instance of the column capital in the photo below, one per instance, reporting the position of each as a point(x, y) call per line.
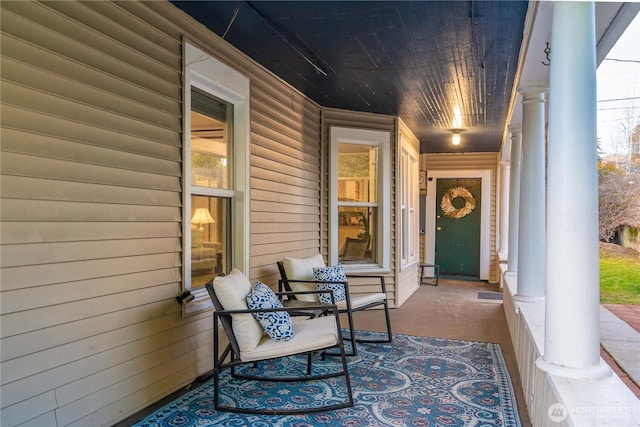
point(514, 129)
point(533, 87)
point(505, 164)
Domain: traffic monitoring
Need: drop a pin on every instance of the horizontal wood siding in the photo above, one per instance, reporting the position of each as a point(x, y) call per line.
point(335, 117)
point(490, 161)
point(91, 213)
point(91, 205)
point(285, 176)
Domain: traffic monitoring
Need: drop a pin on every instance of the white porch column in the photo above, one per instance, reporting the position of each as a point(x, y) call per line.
point(531, 226)
point(514, 198)
point(572, 338)
point(503, 229)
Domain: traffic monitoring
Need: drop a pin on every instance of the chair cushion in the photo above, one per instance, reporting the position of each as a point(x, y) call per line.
point(362, 300)
point(302, 269)
point(231, 291)
point(277, 324)
point(311, 334)
point(330, 274)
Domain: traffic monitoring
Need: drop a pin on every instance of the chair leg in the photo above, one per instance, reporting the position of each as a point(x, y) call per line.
point(351, 338)
point(389, 336)
point(344, 372)
point(352, 333)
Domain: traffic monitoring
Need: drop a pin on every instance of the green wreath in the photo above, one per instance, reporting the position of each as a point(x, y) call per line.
point(453, 193)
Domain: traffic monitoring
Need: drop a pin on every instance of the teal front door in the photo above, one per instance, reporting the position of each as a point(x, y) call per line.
point(457, 241)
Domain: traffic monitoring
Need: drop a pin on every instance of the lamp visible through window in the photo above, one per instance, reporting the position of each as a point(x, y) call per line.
point(201, 217)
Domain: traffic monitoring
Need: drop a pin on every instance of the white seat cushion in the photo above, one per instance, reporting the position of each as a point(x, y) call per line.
point(361, 300)
point(232, 291)
point(309, 335)
point(302, 269)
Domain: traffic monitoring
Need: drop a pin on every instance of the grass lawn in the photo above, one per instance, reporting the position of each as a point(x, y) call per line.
point(619, 275)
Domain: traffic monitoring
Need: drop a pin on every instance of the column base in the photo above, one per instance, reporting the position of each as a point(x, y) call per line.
point(526, 298)
point(596, 373)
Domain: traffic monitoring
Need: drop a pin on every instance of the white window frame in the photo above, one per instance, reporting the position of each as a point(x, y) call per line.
point(206, 73)
point(408, 196)
point(381, 140)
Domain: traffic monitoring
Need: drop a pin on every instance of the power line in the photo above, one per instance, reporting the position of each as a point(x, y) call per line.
point(619, 99)
point(632, 107)
point(622, 60)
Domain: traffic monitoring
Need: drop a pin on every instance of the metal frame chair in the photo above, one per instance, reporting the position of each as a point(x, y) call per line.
point(351, 304)
point(327, 328)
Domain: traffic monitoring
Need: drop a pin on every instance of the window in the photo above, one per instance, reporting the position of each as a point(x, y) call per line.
point(211, 180)
point(215, 166)
point(409, 212)
point(360, 183)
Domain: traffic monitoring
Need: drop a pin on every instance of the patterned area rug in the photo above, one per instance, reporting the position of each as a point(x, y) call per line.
point(413, 381)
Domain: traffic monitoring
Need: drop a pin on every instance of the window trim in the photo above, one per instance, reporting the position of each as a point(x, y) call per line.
point(212, 76)
point(382, 140)
point(409, 193)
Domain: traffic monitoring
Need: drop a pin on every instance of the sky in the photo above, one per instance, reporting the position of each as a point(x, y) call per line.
point(618, 86)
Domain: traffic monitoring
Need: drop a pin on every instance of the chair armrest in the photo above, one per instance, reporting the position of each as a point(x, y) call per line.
point(294, 293)
point(345, 283)
point(269, 310)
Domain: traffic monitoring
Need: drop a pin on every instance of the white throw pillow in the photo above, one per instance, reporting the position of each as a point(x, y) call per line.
point(302, 269)
point(232, 291)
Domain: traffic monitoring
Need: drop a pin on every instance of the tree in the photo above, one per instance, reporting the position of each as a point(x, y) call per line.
point(619, 200)
point(628, 137)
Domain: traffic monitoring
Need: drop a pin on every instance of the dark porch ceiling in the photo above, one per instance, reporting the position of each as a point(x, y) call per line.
point(419, 60)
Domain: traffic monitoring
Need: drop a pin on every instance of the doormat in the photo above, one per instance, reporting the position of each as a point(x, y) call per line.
point(490, 295)
point(412, 381)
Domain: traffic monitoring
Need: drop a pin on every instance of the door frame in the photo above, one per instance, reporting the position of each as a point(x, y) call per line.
point(485, 212)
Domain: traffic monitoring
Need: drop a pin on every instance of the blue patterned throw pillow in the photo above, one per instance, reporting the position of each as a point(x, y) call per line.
point(330, 274)
point(276, 324)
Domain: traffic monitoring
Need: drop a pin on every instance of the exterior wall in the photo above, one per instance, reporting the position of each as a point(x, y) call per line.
point(91, 215)
point(91, 205)
point(476, 161)
point(336, 117)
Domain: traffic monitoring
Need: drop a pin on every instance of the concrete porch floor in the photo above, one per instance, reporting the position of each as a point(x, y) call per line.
point(453, 310)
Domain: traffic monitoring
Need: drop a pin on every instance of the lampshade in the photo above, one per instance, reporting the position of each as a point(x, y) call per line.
point(202, 216)
point(455, 138)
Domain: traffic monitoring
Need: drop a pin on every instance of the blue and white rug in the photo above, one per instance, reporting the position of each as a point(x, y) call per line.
point(413, 381)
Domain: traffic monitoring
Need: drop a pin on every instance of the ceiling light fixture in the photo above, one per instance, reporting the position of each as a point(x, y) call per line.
point(455, 137)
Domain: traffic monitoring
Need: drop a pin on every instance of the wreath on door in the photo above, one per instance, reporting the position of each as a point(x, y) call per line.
point(453, 193)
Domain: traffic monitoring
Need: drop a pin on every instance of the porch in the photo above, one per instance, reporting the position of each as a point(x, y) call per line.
point(458, 310)
point(452, 310)
point(96, 232)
